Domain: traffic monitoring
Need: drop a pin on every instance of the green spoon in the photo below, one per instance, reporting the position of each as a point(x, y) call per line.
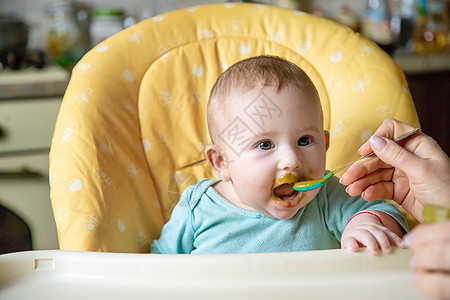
point(303, 186)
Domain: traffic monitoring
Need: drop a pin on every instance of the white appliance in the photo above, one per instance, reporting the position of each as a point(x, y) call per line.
point(29, 104)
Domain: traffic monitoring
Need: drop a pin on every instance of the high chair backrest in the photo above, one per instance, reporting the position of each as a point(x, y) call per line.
point(132, 126)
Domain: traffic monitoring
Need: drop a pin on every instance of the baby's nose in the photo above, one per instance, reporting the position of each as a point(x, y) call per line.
point(289, 159)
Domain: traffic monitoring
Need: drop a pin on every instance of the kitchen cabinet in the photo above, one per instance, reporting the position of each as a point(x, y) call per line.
point(26, 129)
point(431, 94)
point(428, 79)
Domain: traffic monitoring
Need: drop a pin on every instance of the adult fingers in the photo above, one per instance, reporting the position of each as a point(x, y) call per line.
point(362, 168)
point(391, 129)
point(434, 284)
point(431, 246)
point(428, 233)
point(432, 257)
point(393, 154)
point(380, 177)
point(390, 152)
point(420, 144)
point(377, 191)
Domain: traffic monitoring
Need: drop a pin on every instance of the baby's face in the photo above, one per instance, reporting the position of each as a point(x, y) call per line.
point(273, 140)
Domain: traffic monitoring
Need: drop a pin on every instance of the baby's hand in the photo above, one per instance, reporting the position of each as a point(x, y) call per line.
point(365, 229)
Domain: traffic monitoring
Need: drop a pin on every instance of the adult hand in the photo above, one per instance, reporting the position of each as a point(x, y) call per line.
point(430, 244)
point(413, 173)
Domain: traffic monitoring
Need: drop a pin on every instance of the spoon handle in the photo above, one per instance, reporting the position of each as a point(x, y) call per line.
point(402, 137)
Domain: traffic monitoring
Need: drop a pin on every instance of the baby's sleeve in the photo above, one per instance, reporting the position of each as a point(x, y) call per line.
point(177, 235)
point(341, 207)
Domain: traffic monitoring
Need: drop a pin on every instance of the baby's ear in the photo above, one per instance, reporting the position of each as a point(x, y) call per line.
point(327, 139)
point(218, 162)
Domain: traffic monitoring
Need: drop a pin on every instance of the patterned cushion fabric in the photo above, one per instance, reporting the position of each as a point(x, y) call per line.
point(132, 126)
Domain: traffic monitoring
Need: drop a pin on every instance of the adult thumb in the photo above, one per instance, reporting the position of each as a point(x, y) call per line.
point(393, 154)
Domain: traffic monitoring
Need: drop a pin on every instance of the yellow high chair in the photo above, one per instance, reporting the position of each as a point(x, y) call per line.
point(132, 127)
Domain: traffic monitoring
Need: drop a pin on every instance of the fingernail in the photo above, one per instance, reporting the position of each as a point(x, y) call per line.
point(409, 240)
point(360, 148)
point(377, 142)
point(342, 178)
point(414, 277)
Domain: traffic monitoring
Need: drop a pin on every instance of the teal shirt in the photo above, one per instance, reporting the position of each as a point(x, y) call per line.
point(204, 222)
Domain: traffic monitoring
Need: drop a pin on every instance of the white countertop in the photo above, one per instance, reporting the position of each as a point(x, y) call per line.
point(422, 64)
point(30, 82)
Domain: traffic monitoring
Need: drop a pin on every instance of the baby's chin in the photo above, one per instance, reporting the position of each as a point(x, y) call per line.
point(283, 213)
point(288, 203)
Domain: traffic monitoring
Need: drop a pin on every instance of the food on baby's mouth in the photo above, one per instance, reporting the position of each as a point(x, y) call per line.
point(285, 190)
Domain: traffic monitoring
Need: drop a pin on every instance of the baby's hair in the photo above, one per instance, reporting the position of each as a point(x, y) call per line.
point(260, 71)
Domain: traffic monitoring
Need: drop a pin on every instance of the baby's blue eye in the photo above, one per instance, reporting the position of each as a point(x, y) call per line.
point(304, 141)
point(265, 145)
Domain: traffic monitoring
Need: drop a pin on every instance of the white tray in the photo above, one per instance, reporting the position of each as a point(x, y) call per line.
point(326, 274)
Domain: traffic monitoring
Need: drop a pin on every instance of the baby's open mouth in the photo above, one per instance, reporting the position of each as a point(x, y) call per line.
point(285, 191)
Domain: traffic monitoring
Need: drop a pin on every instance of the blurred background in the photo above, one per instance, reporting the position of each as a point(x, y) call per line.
point(66, 29)
point(41, 41)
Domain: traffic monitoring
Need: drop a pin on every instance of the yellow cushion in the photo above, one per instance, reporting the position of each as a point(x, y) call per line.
point(132, 125)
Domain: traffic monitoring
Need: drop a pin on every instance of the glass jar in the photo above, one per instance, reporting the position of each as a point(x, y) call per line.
point(408, 21)
point(376, 24)
point(66, 41)
point(105, 23)
point(432, 28)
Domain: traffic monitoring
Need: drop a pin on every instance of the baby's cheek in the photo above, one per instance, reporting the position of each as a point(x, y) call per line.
point(255, 180)
point(319, 169)
point(310, 195)
point(317, 174)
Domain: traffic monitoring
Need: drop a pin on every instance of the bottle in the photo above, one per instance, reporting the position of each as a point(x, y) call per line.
point(345, 16)
point(438, 24)
point(408, 16)
point(105, 23)
point(292, 4)
point(66, 41)
point(431, 33)
point(376, 24)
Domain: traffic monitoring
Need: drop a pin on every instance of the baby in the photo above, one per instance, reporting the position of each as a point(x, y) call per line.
point(266, 125)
